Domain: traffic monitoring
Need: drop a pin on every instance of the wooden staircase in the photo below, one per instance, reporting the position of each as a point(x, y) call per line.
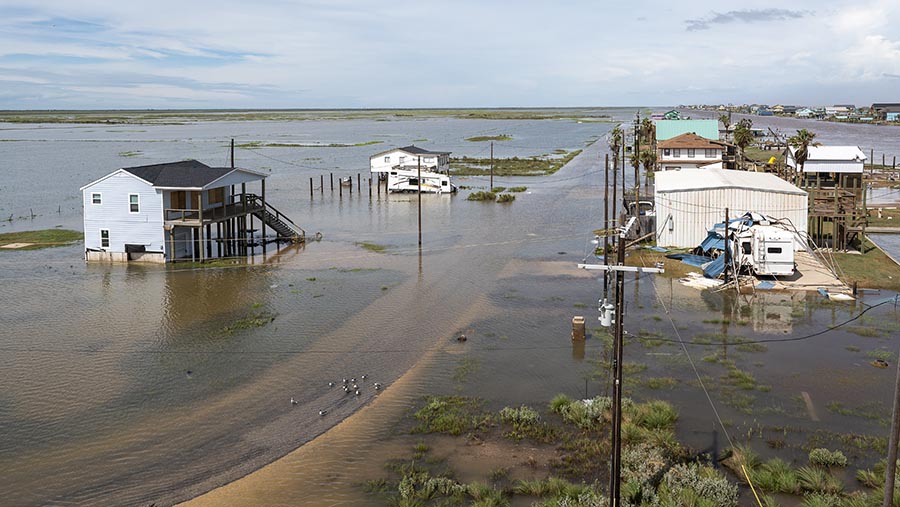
point(286, 229)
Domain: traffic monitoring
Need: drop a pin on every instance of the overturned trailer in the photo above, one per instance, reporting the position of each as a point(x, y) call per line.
point(755, 243)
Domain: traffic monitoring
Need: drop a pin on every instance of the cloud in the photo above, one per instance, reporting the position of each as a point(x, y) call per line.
point(745, 16)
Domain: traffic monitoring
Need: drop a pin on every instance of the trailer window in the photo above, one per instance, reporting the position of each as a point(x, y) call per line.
point(774, 250)
point(443, 183)
point(414, 181)
point(745, 247)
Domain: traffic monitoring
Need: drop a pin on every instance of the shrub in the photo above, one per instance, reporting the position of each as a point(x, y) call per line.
point(818, 480)
point(775, 476)
point(655, 415)
point(481, 196)
point(559, 403)
point(521, 415)
point(518, 189)
point(826, 458)
point(506, 198)
point(497, 190)
point(686, 482)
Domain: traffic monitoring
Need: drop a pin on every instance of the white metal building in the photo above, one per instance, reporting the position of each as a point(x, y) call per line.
point(689, 201)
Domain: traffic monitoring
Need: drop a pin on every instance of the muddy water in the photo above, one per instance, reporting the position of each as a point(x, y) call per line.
point(122, 385)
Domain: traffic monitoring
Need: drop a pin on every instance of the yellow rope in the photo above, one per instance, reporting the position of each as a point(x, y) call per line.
point(747, 476)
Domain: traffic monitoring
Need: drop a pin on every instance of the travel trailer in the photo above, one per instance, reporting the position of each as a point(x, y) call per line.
point(405, 180)
point(767, 250)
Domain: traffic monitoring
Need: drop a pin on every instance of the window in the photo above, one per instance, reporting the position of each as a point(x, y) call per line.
point(134, 205)
point(774, 250)
point(104, 238)
point(96, 198)
point(387, 159)
point(676, 152)
point(691, 152)
point(414, 182)
point(745, 248)
point(217, 195)
point(444, 183)
point(402, 159)
point(710, 153)
point(667, 152)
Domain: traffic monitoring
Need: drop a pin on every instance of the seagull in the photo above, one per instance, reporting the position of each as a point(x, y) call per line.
point(353, 380)
point(322, 412)
point(345, 381)
point(293, 401)
point(377, 386)
point(364, 377)
point(357, 392)
point(331, 384)
point(355, 387)
point(461, 338)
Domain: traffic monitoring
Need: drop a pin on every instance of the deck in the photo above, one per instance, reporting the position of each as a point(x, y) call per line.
point(196, 217)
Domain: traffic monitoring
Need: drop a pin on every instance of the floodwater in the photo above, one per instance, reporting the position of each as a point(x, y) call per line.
point(123, 385)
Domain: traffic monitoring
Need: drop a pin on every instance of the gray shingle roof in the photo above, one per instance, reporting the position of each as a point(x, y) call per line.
point(186, 173)
point(422, 151)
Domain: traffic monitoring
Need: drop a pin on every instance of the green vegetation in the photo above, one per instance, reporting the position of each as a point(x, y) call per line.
point(660, 383)
point(501, 137)
point(481, 196)
point(259, 144)
point(502, 198)
point(829, 459)
point(453, 415)
point(372, 247)
point(518, 189)
point(497, 190)
point(129, 153)
point(870, 269)
point(46, 238)
point(256, 319)
point(867, 331)
point(515, 166)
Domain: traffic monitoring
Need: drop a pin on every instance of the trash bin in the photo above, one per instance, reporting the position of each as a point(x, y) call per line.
point(578, 328)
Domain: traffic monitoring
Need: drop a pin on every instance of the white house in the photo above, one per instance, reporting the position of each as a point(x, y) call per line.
point(165, 212)
point(827, 165)
point(688, 202)
point(688, 151)
point(407, 158)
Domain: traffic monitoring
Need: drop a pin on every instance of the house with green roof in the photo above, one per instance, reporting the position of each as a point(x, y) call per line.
point(667, 129)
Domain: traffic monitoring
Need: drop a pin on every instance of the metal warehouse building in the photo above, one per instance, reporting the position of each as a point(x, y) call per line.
point(690, 201)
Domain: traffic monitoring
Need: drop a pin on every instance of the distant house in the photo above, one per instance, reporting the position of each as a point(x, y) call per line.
point(829, 165)
point(688, 151)
point(667, 129)
point(178, 210)
point(806, 113)
point(409, 157)
point(886, 111)
point(837, 111)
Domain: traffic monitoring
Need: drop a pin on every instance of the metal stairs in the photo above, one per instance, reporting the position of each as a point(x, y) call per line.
point(286, 229)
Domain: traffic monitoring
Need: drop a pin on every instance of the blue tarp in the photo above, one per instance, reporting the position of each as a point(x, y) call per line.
point(766, 285)
point(690, 259)
point(714, 268)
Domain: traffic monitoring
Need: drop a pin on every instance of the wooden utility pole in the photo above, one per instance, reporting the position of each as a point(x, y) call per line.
point(232, 153)
point(492, 167)
point(637, 167)
point(606, 227)
point(613, 202)
point(726, 246)
point(892, 446)
point(616, 471)
point(419, 181)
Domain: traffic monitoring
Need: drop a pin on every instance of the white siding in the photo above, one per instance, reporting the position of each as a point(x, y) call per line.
point(142, 228)
point(440, 163)
point(694, 212)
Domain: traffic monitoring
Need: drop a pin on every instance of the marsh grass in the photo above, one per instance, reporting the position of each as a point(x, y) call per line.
point(660, 383)
point(818, 480)
point(481, 196)
point(504, 198)
point(254, 320)
point(372, 247)
point(501, 137)
point(453, 415)
point(518, 189)
point(46, 238)
point(515, 166)
point(497, 190)
point(867, 331)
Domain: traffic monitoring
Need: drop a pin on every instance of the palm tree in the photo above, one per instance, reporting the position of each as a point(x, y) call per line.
point(616, 138)
point(801, 143)
point(647, 130)
point(743, 137)
point(726, 121)
point(648, 158)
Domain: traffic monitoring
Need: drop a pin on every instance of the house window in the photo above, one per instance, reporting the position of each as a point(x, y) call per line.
point(709, 153)
point(402, 159)
point(676, 152)
point(96, 198)
point(104, 238)
point(691, 152)
point(134, 203)
point(667, 152)
point(217, 195)
point(387, 159)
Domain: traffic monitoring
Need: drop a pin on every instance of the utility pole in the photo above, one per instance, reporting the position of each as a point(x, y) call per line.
point(892, 446)
point(727, 279)
point(637, 166)
point(420, 200)
point(232, 153)
point(606, 227)
point(491, 189)
point(618, 315)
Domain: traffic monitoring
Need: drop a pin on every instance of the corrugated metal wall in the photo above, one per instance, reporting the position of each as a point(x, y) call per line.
point(694, 212)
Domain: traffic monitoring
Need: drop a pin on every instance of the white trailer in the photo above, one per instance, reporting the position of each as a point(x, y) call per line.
point(407, 180)
point(767, 250)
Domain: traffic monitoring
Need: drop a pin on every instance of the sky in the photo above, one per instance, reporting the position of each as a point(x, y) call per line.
point(165, 54)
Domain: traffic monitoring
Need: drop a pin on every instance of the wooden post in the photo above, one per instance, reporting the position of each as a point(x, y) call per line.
point(378, 183)
point(321, 183)
point(262, 225)
point(208, 241)
point(340, 189)
point(331, 179)
point(358, 184)
point(350, 180)
point(172, 244)
point(219, 239)
point(491, 189)
point(606, 229)
point(420, 200)
point(370, 189)
point(310, 187)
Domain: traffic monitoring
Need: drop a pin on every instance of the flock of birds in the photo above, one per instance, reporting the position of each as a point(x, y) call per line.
point(350, 386)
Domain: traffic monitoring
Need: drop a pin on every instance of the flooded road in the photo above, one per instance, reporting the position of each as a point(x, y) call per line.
point(127, 385)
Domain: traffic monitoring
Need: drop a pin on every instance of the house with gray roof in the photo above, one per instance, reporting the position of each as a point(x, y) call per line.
point(179, 210)
point(408, 158)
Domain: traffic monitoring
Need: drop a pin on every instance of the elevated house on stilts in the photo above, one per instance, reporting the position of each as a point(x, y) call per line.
point(180, 211)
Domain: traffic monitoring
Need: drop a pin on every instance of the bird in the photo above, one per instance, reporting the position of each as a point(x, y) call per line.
point(364, 377)
point(353, 380)
point(461, 338)
point(345, 381)
point(357, 392)
point(377, 386)
point(331, 384)
point(355, 387)
point(322, 412)
point(293, 401)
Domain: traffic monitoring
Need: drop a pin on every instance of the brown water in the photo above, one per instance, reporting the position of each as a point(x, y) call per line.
point(98, 408)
